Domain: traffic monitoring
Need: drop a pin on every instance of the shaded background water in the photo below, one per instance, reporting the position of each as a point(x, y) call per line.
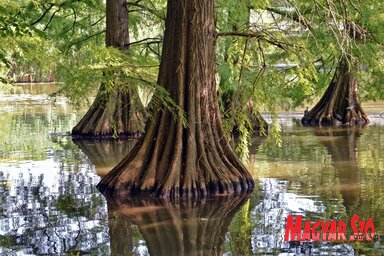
point(49, 203)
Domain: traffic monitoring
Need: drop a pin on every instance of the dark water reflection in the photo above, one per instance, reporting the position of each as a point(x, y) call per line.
point(344, 161)
point(181, 228)
point(49, 204)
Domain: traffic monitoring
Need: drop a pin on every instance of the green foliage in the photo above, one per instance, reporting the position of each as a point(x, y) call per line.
point(288, 52)
point(11, 22)
point(270, 70)
point(353, 29)
point(68, 43)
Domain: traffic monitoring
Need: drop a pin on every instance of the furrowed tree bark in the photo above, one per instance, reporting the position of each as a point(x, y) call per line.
point(340, 103)
point(173, 160)
point(113, 113)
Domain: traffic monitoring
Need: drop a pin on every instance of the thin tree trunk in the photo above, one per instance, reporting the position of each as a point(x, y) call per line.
point(340, 102)
point(172, 160)
point(113, 113)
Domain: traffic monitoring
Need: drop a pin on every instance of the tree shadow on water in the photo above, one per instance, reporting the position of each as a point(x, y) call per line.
point(185, 227)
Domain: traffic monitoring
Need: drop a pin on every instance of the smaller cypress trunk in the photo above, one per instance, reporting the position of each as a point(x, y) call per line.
point(113, 113)
point(340, 102)
point(257, 124)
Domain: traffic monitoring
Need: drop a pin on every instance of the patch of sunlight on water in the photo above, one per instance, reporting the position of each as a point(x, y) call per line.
point(49, 203)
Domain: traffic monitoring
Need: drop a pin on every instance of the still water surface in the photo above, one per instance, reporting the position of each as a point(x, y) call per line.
point(49, 204)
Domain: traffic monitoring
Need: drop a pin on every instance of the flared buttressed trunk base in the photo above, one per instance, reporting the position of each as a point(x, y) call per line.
point(171, 159)
point(111, 114)
point(340, 103)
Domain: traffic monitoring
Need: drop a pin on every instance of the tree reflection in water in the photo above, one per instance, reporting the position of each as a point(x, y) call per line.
point(268, 212)
point(104, 154)
point(185, 227)
point(341, 144)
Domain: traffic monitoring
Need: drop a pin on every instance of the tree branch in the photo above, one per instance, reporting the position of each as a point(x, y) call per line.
point(155, 41)
point(53, 15)
point(297, 17)
point(152, 11)
point(258, 36)
point(96, 22)
point(84, 39)
point(42, 16)
point(72, 27)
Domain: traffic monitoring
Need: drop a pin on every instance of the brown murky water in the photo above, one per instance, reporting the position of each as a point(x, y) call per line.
point(49, 203)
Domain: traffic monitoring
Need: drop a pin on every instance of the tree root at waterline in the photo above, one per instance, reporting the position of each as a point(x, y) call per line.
point(172, 161)
point(111, 115)
point(340, 103)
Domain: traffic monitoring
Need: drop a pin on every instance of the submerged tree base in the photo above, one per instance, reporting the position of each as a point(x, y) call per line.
point(211, 189)
point(340, 103)
point(112, 114)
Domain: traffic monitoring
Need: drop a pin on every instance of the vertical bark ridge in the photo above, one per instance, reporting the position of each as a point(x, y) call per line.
point(172, 160)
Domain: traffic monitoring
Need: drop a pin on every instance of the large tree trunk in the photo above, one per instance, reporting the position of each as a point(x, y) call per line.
point(113, 113)
point(340, 102)
point(185, 228)
point(171, 159)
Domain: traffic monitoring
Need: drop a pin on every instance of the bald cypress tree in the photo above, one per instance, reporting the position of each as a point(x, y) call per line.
point(356, 38)
point(173, 159)
point(340, 102)
point(112, 112)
